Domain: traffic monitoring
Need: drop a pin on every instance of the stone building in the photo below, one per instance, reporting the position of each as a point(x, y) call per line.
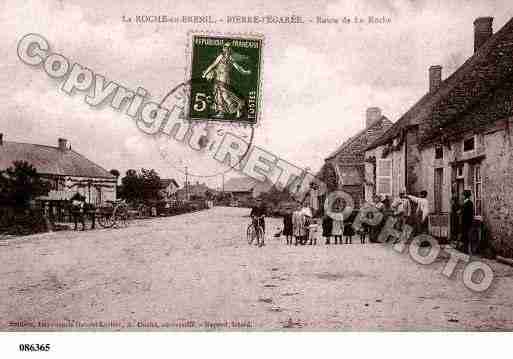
point(392, 160)
point(245, 188)
point(458, 137)
point(67, 171)
point(344, 168)
point(469, 143)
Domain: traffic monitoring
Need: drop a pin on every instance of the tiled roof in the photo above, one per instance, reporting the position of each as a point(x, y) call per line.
point(51, 160)
point(478, 81)
point(355, 145)
point(478, 76)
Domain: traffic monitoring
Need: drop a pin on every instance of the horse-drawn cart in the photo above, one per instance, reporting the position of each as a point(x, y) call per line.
point(111, 214)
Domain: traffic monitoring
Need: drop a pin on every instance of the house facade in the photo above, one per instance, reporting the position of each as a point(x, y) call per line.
point(196, 191)
point(244, 189)
point(472, 146)
point(168, 188)
point(344, 168)
point(458, 137)
point(66, 171)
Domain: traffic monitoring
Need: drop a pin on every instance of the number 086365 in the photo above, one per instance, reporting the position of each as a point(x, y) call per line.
point(34, 347)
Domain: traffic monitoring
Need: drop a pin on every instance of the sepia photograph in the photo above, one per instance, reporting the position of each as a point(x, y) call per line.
point(242, 167)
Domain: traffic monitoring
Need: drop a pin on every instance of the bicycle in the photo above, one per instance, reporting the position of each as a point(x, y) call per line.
point(255, 232)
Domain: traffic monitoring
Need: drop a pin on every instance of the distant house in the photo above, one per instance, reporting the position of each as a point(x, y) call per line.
point(344, 168)
point(67, 171)
point(168, 187)
point(245, 188)
point(194, 191)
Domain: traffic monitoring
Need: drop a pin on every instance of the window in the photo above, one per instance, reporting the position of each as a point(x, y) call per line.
point(439, 152)
point(459, 171)
point(477, 189)
point(384, 177)
point(469, 144)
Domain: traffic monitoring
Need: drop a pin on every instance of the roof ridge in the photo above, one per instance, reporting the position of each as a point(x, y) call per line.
point(31, 144)
point(51, 160)
point(353, 138)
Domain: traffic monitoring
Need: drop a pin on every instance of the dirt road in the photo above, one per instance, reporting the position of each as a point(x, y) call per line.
point(196, 271)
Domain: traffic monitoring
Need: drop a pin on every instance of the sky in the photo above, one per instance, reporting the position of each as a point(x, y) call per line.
point(317, 79)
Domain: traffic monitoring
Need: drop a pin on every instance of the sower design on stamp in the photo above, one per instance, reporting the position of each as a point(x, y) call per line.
point(230, 70)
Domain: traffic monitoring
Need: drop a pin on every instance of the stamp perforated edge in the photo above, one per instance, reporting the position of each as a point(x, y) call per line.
point(241, 35)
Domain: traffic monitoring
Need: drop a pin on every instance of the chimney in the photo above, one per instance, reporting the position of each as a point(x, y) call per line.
point(435, 77)
point(482, 31)
point(1, 139)
point(373, 114)
point(63, 144)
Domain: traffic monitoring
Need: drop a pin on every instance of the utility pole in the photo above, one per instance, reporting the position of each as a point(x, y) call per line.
point(223, 182)
point(186, 185)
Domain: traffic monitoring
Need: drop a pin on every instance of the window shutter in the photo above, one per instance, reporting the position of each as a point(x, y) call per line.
point(384, 176)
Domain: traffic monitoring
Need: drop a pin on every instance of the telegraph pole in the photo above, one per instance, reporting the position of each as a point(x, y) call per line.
point(186, 185)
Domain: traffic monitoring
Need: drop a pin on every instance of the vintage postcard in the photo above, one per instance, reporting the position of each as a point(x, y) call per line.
point(249, 166)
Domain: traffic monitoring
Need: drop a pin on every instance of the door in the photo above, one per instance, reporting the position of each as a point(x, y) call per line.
point(439, 181)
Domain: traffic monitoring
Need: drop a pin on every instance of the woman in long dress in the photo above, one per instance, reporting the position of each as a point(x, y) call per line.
point(226, 102)
point(298, 226)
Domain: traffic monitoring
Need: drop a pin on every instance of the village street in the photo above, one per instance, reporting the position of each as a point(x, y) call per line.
point(196, 271)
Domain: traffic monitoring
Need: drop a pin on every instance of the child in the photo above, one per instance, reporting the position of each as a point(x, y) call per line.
point(348, 229)
point(337, 230)
point(327, 225)
point(312, 232)
point(287, 227)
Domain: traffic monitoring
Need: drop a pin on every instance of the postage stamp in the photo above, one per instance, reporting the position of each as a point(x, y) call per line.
point(226, 75)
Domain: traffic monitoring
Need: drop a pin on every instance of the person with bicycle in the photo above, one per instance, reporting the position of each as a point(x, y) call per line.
point(258, 217)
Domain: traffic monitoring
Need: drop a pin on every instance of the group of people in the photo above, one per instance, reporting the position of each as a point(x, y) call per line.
point(407, 209)
point(299, 227)
point(339, 230)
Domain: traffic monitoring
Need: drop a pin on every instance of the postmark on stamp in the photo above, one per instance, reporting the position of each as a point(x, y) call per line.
point(231, 69)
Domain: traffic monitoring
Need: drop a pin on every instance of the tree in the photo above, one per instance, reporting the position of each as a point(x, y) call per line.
point(143, 186)
point(21, 183)
point(131, 186)
point(115, 173)
point(150, 184)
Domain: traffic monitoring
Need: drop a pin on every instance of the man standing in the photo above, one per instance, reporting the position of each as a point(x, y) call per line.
point(77, 210)
point(402, 209)
point(422, 211)
point(467, 218)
